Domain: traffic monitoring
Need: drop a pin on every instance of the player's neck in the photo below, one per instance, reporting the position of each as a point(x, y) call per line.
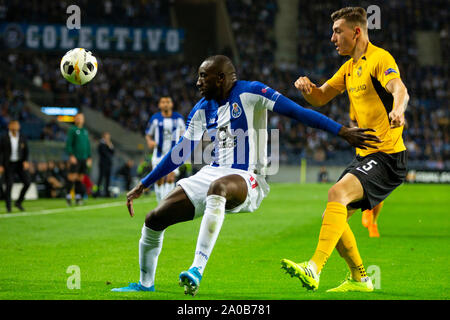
point(226, 91)
point(166, 114)
point(360, 49)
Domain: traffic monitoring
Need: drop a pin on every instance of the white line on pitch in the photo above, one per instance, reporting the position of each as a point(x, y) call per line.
point(60, 210)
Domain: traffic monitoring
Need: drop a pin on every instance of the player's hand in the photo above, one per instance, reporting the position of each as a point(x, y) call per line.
point(26, 165)
point(397, 118)
point(357, 137)
point(151, 144)
point(89, 162)
point(134, 194)
point(304, 85)
point(72, 160)
point(1, 169)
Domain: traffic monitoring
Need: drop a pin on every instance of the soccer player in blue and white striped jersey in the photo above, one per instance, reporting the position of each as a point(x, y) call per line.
point(163, 131)
point(234, 114)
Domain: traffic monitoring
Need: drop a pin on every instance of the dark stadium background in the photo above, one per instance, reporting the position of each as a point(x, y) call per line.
point(270, 41)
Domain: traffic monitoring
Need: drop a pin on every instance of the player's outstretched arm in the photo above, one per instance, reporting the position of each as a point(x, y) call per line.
point(357, 137)
point(172, 160)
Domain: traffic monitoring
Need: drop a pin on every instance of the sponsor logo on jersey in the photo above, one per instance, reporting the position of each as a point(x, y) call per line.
point(357, 89)
point(390, 70)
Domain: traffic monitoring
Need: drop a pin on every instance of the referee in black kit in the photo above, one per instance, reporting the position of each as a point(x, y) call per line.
point(78, 148)
point(14, 161)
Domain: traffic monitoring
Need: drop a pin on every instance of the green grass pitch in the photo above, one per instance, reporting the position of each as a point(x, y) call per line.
point(100, 238)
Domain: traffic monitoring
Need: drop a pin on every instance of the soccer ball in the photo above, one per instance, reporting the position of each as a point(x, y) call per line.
point(78, 66)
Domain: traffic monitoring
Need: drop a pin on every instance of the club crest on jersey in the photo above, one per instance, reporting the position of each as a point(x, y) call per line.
point(359, 71)
point(390, 70)
point(236, 111)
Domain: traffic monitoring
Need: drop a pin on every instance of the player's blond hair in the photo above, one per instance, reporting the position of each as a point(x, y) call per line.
point(353, 16)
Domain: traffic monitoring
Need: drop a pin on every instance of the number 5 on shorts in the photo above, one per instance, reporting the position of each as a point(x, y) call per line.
point(365, 168)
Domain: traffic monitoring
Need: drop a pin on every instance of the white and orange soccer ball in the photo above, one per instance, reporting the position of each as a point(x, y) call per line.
point(78, 66)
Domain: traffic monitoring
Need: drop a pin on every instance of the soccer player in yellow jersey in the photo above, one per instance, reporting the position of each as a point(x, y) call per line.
point(379, 98)
point(369, 216)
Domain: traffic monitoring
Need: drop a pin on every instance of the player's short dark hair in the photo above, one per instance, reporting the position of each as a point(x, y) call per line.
point(225, 63)
point(164, 97)
point(352, 15)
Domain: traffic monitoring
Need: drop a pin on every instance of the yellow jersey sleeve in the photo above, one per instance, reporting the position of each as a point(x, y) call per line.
point(338, 80)
point(386, 69)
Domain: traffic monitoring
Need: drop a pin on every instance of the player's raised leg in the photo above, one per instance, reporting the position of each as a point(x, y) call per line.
point(373, 227)
point(370, 218)
point(334, 223)
point(174, 209)
point(224, 193)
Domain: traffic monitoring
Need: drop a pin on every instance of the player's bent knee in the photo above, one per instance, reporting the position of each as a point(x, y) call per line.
point(218, 187)
point(337, 194)
point(154, 221)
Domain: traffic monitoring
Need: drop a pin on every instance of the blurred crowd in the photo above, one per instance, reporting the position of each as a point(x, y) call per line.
point(129, 12)
point(13, 105)
point(50, 177)
point(127, 89)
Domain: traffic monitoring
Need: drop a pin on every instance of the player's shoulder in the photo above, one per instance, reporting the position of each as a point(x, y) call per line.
point(250, 86)
point(259, 90)
point(73, 129)
point(346, 64)
point(202, 104)
point(377, 52)
point(176, 115)
point(156, 116)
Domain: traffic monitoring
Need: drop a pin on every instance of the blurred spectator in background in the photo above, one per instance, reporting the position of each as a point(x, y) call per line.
point(14, 160)
point(40, 178)
point(87, 185)
point(106, 153)
point(323, 175)
point(54, 180)
point(49, 177)
point(125, 172)
point(62, 171)
point(46, 179)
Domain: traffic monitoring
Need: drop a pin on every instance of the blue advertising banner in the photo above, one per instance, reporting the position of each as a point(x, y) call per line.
point(91, 37)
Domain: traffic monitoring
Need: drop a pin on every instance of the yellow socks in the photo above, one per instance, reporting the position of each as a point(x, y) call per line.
point(348, 250)
point(333, 225)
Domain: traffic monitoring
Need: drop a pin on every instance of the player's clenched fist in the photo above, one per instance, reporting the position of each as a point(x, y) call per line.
point(304, 85)
point(397, 118)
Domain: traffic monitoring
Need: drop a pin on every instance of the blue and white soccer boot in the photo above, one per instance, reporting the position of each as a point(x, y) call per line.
point(190, 280)
point(134, 287)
